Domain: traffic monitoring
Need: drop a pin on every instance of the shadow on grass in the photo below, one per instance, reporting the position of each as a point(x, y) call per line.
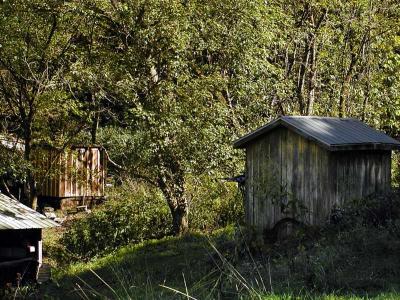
point(137, 271)
point(189, 265)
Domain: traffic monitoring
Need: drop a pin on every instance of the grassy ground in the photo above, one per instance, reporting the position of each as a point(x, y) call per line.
point(356, 256)
point(173, 268)
point(139, 271)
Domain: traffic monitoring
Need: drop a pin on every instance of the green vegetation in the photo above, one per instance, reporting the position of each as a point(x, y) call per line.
point(120, 221)
point(353, 257)
point(141, 271)
point(136, 212)
point(165, 87)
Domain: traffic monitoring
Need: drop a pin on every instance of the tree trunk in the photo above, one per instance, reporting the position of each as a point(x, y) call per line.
point(345, 89)
point(312, 79)
point(344, 94)
point(179, 210)
point(30, 185)
point(312, 37)
point(95, 127)
point(366, 97)
point(172, 187)
point(302, 75)
point(33, 198)
point(180, 222)
point(96, 118)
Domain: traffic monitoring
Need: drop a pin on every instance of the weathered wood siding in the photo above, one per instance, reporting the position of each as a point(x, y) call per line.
point(359, 174)
point(77, 172)
point(290, 176)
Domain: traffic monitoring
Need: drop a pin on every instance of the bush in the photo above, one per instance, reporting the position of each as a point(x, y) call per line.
point(362, 258)
point(213, 203)
point(136, 212)
point(131, 215)
point(357, 252)
point(375, 210)
point(396, 169)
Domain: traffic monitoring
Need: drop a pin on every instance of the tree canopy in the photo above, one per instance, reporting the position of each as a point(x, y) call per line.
point(166, 86)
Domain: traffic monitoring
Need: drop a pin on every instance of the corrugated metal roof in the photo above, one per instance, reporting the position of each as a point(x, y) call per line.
point(15, 215)
point(332, 133)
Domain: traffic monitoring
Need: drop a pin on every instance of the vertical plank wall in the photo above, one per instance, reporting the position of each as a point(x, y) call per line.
point(290, 176)
point(77, 172)
point(360, 173)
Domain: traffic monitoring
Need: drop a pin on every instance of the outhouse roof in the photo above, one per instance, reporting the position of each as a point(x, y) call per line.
point(15, 215)
point(331, 133)
point(11, 142)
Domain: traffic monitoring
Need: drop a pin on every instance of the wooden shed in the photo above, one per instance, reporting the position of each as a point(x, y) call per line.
point(20, 241)
point(303, 167)
point(70, 177)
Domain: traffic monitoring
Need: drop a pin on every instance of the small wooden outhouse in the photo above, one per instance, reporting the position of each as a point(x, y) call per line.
point(70, 177)
point(20, 241)
point(304, 167)
point(66, 177)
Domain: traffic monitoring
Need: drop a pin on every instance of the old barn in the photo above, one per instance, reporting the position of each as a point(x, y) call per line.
point(303, 167)
point(20, 240)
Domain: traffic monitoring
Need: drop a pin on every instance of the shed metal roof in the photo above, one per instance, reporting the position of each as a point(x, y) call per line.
point(331, 133)
point(15, 215)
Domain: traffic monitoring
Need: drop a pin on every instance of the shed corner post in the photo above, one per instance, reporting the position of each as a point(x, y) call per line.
point(40, 249)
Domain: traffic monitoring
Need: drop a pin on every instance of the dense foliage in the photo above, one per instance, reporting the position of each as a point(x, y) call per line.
point(122, 220)
point(356, 251)
point(135, 213)
point(167, 86)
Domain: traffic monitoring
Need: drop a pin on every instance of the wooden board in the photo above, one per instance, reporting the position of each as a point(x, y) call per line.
point(44, 273)
point(286, 170)
point(77, 172)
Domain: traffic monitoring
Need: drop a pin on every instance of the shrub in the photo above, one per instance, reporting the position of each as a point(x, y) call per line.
point(131, 215)
point(396, 169)
point(135, 212)
point(213, 203)
point(362, 258)
point(375, 210)
point(358, 251)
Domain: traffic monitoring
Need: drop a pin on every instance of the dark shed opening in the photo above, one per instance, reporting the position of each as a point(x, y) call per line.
point(20, 241)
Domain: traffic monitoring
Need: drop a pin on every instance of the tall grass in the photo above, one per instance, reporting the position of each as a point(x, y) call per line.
point(355, 257)
point(225, 281)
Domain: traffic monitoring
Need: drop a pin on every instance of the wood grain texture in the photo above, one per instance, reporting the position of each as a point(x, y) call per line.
point(77, 172)
point(290, 176)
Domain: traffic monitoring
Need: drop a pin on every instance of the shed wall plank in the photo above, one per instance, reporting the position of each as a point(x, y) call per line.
point(282, 166)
